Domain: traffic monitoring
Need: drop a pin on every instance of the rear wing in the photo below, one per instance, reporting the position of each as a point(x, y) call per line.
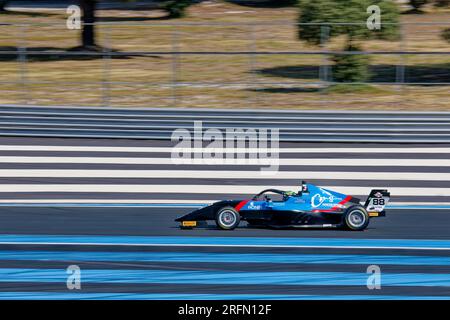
point(377, 200)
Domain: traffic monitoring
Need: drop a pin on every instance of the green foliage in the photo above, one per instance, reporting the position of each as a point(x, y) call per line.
point(446, 35)
point(350, 67)
point(346, 11)
point(347, 67)
point(177, 9)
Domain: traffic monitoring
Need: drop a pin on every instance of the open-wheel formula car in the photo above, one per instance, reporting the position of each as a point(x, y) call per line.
point(311, 207)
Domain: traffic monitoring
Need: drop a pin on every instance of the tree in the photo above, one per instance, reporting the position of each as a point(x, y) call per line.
point(417, 4)
point(318, 16)
point(3, 4)
point(350, 67)
point(175, 9)
point(88, 8)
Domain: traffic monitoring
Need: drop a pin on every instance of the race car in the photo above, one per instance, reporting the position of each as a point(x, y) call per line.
point(310, 207)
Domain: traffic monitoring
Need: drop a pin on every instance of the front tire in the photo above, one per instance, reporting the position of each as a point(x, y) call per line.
point(356, 218)
point(227, 218)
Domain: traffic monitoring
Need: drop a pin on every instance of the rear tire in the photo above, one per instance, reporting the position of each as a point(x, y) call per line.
point(356, 218)
point(227, 218)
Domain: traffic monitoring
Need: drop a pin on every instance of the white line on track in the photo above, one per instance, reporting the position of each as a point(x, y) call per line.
point(212, 174)
point(224, 161)
point(74, 243)
point(253, 150)
point(196, 189)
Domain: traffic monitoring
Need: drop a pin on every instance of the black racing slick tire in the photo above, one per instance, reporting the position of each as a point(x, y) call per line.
point(227, 218)
point(356, 218)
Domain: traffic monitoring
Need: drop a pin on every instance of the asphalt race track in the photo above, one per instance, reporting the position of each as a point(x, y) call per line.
point(66, 202)
point(399, 224)
point(124, 252)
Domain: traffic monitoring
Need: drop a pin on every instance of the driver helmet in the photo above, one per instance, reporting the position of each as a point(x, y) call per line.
point(304, 187)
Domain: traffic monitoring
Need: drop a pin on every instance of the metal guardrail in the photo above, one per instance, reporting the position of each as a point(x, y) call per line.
point(159, 123)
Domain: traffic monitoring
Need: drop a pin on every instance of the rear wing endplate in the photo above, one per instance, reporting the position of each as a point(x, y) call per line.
point(377, 200)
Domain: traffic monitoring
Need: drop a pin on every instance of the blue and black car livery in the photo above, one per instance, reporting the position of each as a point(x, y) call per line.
point(311, 207)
